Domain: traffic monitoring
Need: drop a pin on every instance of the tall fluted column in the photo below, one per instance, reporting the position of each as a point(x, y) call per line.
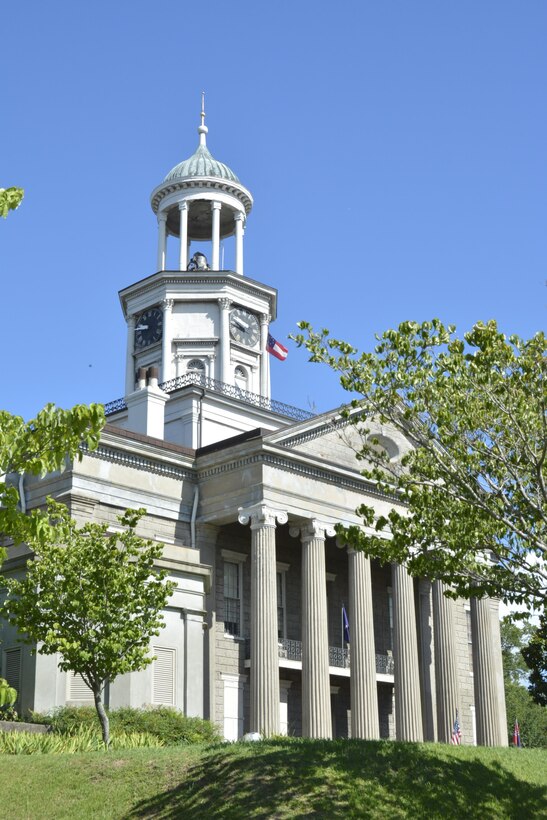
point(225, 374)
point(265, 362)
point(166, 352)
point(484, 674)
point(446, 665)
point(162, 239)
point(240, 227)
point(183, 248)
point(408, 704)
point(364, 695)
point(316, 711)
point(215, 236)
point(264, 651)
point(129, 360)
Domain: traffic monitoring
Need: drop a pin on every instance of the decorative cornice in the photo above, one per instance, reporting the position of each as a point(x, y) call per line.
point(243, 285)
point(149, 465)
point(260, 515)
point(316, 432)
point(238, 191)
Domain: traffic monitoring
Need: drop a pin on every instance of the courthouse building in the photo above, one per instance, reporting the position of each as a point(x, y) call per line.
point(244, 492)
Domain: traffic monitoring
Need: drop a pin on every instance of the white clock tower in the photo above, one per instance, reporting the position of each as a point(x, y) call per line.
point(197, 368)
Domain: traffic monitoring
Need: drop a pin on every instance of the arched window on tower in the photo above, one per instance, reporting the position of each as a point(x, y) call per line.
point(241, 378)
point(196, 367)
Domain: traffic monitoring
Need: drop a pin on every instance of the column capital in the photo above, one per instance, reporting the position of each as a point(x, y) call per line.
point(162, 216)
point(239, 216)
point(216, 206)
point(167, 304)
point(224, 303)
point(184, 205)
point(260, 515)
point(264, 318)
point(312, 529)
point(131, 320)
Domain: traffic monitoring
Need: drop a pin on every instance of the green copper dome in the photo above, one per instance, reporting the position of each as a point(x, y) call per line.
point(201, 164)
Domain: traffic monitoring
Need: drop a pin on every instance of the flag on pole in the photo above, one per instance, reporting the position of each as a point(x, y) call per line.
point(456, 732)
point(516, 734)
point(345, 624)
point(276, 348)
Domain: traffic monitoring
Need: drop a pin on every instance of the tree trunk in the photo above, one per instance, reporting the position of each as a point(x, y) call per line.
point(103, 717)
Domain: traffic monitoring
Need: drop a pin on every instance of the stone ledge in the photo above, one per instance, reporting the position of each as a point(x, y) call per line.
point(17, 726)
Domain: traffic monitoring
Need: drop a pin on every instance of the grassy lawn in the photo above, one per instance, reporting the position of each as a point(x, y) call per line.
point(279, 779)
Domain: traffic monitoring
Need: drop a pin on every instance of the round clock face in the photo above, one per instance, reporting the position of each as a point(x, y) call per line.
point(149, 327)
point(244, 327)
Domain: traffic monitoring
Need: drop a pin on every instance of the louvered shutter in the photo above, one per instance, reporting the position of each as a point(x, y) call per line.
point(13, 671)
point(164, 676)
point(77, 690)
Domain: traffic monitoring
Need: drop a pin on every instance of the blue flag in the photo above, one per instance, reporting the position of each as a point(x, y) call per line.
point(345, 623)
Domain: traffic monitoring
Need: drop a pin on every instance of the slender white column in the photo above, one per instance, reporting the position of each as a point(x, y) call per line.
point(264, 356)
point(240, 228)
point(183, 249)
point(264, 651)
point(215, 235)
point(225, 374)
point(162, 239)
point(446, 665)
point(166, 353)
point(484, 674)
point(364, 694)
point(408, 704)
point(316, 710)
point(129, 360)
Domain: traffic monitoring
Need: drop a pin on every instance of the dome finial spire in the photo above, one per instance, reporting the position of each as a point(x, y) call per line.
point(202, 130)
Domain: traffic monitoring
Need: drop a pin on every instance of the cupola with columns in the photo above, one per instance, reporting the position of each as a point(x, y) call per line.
point(199, 326)
point(201, 199)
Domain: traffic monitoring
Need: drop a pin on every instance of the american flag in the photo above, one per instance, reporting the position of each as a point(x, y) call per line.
point(456, 732)
point(516, 734)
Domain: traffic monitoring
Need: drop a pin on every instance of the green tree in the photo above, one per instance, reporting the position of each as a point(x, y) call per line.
point(473, 486)
point(535, 656)
point(94, 598)
point(10, 199)
point(532, 717)
point(36, 447)
point(513, 641)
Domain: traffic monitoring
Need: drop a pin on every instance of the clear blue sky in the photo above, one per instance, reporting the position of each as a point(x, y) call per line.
point(396, 152)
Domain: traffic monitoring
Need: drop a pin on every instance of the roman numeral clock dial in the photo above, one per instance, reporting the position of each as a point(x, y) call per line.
point(149, 328)
point(244, 327)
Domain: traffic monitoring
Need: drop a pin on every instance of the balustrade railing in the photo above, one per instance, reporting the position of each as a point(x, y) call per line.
point(231, 390)
point(340, 658)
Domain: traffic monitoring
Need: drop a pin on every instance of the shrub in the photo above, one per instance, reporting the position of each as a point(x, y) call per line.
point(81, 739)
point(163, 722)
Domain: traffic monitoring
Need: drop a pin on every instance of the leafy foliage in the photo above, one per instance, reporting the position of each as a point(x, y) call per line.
point(10, 199)
point(84, 739)
point(535, 655)
point(531, 716)
point(165, 723)
point(8, 694)
point(513, 640)
point(95, 599)
point(474, 483)
point(37, 447)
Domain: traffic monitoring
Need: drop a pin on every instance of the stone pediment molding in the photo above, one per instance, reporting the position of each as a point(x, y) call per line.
point(138, 462)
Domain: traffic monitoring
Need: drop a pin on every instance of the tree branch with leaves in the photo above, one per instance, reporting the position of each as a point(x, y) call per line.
point(471, 491)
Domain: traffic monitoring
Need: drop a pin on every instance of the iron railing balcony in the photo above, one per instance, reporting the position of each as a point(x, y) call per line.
point(231, 390)
point(338, 657)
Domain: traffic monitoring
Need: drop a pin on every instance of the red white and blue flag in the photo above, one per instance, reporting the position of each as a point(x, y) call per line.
point(276, 348)
point(456, 732)
point(516, 734)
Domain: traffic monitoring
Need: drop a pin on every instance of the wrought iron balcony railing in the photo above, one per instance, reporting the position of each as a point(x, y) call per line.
point(292, 651)
point(231, 390)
